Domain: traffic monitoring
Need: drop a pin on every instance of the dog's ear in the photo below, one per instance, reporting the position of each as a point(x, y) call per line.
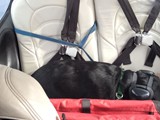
point(156, 87)
point(127, 79)
point(126, 82)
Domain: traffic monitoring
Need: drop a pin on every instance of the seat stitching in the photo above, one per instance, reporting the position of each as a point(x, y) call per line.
point(20, 98)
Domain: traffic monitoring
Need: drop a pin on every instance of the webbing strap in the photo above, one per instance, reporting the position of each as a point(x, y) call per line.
point(70, 25)
point(86, 105)
point(148, 25)
point(128, 11)
point(80, 45)
point(131, 17)
point(155, 50)
point(64, 32)
point(124, 56)
point(73, 21)
point(152, 16)
point(68, 32)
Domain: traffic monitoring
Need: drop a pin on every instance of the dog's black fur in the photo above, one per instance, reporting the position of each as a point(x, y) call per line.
point(79, 79)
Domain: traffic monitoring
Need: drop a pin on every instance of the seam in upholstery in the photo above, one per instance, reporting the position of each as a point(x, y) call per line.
point(99, 46)
point(100, 35)
point(29, 5)
point(53, 5)
point(115, 18)
point(11, 118)
point(20, 98)
point(33, 42)
point(50, 21)
point(25, 47)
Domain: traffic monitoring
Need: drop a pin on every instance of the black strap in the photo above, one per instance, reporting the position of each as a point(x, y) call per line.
point(131, 17)
point(148, 25)
point(130, 46)
point(86, 105)
point(71, 19)
point(68, 32)
point(152, 16)
point(124, 56)
point(64, 33)
point(155, 50)
point(63, 116)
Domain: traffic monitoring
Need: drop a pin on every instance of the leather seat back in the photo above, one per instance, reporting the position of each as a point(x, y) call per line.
point(114, 31)
point(47, 18)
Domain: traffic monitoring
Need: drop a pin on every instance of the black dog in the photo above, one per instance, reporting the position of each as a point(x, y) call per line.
point(79, 79)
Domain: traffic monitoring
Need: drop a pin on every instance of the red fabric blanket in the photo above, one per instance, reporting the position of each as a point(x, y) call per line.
point(107, 109)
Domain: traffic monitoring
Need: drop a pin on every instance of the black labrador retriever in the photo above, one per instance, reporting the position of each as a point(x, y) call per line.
point(84, 79)
point(79, 79)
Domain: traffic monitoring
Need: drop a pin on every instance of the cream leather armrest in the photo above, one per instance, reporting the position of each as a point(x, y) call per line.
point(22, 98)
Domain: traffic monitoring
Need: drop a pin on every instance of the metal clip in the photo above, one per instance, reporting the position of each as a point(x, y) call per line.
point(62, 50)
point(138, 39)
point(147, 39)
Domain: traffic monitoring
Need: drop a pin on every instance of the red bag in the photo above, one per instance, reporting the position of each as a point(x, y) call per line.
point(93, 109)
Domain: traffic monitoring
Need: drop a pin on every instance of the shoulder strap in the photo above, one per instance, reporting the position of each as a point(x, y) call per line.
point(155, 49)
point(130, 46)
point(131, 17)
point(71, 19)
point(70, 26)
point(152, 16)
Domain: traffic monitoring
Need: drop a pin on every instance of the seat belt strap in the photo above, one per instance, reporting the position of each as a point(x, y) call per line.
point(155, 50)
point(152, 16)
point(64, 32)
point(73, 21)
point(124, 56)
point(69, 13)
point(148, 25)
point(80, 45)
point(128, 11)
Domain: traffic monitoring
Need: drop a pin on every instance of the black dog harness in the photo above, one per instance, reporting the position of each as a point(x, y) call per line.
point(138, 39)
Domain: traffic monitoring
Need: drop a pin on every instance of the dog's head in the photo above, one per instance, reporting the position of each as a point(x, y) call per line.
point(141, 85)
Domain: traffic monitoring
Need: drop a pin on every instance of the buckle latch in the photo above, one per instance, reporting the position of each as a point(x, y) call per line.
point(138, 39)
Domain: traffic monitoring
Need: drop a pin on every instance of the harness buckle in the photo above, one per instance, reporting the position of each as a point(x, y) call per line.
point(147, 39)
point(64, 36)
point(138, 39)
point(71, 51)
point(62, 50)
point(143, 39)
point(71, 36)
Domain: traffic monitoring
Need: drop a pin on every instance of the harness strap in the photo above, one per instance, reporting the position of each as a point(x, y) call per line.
point(155, 50)
point(70, 25)
point(124, 56)
point(86, 105)
point(131, 45)
point(128, 11)
point(148, 25)
point(152, 16)
point(73, 21)
point(80, 45)
point(64, 32)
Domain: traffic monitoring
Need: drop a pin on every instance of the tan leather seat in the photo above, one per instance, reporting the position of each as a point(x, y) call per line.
point(22, 98)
